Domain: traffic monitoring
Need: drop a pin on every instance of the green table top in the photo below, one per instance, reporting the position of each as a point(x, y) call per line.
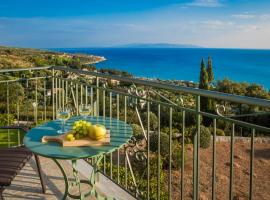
point(120, 134)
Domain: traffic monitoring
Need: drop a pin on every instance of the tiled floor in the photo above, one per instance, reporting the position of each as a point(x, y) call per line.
point(27, 185)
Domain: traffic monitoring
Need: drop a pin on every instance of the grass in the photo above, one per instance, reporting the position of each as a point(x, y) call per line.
point(11, 137)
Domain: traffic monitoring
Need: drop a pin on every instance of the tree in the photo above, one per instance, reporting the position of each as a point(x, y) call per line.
point(204, 83)
point(210, 70)
point(206, 103)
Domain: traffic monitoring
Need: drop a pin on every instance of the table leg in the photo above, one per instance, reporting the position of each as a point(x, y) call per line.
point(92, 181)
point(77, 180)
point(65, 179)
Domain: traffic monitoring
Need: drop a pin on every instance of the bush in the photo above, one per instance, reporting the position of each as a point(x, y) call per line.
point(220, 132)
point(5, 118)
point(137, 131)
point(191, 119)
point(176, 161)
point(153, 120)
point(205, 136)
point(167, 131)
point(164, 143)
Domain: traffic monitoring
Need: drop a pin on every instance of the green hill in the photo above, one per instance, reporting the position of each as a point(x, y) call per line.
point(11, 57)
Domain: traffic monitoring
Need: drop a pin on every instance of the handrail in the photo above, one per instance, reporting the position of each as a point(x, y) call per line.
point(195, 91)
point(24, 69)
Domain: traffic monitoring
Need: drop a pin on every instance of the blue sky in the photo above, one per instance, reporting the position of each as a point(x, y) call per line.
point(88, 23)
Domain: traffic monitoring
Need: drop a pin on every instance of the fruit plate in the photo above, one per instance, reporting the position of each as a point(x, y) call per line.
point(77, 143)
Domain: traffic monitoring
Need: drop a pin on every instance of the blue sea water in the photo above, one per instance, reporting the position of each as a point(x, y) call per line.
point(252, 66)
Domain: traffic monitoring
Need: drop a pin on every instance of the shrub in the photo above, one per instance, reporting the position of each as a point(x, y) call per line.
point(164, 143)
point(167, 131)
point(141, 179)
point(190, 119)
point(5, 118)
point(137, 131)
point(176, 161)
point(220, 132)
point(153, 120)
point(205, 136)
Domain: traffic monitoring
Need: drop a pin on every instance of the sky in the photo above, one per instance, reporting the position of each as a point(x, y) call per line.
point(96, 23)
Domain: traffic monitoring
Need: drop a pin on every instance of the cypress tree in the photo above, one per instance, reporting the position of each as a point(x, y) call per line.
point(210, 70)
point(204, 84)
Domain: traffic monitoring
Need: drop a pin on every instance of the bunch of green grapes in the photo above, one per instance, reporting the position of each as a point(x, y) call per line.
point(80, 129)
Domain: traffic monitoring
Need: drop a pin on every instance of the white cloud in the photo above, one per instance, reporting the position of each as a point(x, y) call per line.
point(205, 3)
point(243, 16)
point(213, 24)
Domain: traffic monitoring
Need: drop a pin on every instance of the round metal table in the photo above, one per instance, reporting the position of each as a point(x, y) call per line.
point(120, 133)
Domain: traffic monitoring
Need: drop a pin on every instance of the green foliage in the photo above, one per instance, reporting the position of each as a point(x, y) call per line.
point(167, 131)
point(11, 137)
point(153, 120)
point(141, 179)
point(205, 136)
point(6, 119)
point(153, 182)
point(164, 143)
point(204, 84)
point(204, 81)
point(176, 160)
point(254, 90)
point(116, 72)
point(137, 131)
point(210, 70)
point(228, 86)
point(190, 119)
point(165, 148)
point(220, 132)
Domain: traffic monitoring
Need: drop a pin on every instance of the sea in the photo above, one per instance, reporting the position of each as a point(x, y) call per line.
point(242, 65)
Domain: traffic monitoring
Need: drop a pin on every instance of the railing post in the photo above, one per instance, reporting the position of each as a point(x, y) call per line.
point(92, 100)
point(97, 102)
point(18, 109)
point(231, 163)
point(36, 103)
point(77, 99)
point(86, 95)
point(214, 161)
point(148, 150)
point(159, 159)
point(56, 95)
point(196, 151)
point(59, 94)
point(45, 101)
point(81, 100)
point(52, 93)
point(66, 101)
point(8, 104)
point(251, 164)
point(183, 155)
point(170, 156)
point(63, 94)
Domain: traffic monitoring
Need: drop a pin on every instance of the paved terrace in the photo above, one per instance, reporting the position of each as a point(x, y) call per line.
point(26, 185)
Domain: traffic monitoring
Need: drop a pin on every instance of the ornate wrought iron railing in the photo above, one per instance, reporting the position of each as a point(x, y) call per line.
point(146, 169)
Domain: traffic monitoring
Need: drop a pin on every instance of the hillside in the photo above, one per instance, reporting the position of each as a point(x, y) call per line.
point(23, 57)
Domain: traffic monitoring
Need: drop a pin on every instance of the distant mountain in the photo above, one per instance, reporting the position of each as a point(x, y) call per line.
point(158, 45)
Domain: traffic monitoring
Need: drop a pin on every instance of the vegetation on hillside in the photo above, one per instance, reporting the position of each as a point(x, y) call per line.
point(23, 58)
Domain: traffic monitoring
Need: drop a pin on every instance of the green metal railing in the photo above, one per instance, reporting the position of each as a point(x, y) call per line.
point(75, 87)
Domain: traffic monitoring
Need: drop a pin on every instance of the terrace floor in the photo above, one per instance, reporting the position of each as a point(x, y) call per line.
point(26, 185)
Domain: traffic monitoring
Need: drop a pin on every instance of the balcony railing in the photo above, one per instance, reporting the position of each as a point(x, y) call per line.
point(146, 169)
